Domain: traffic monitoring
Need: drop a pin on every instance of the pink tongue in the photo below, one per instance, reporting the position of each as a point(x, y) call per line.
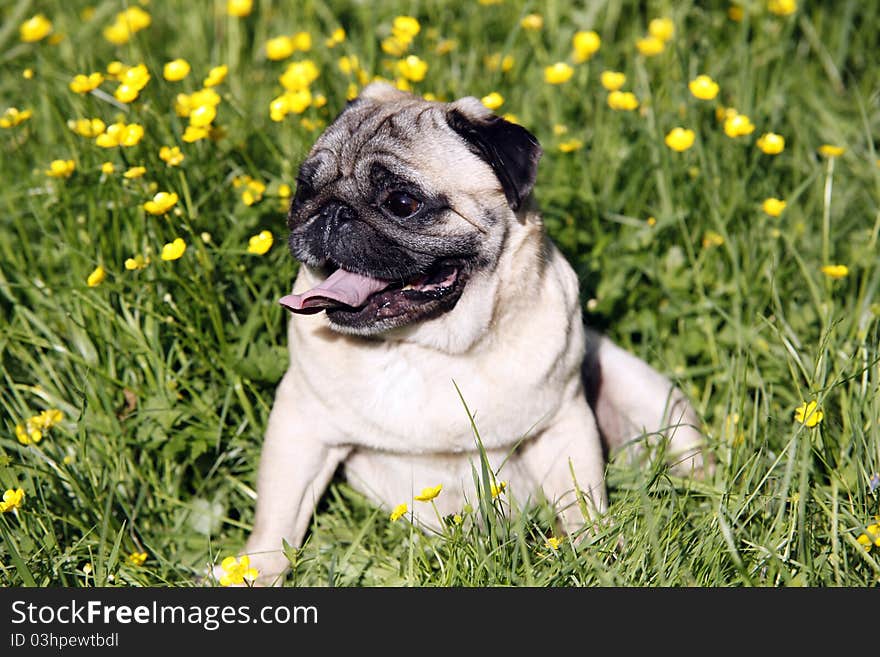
point(342, 288)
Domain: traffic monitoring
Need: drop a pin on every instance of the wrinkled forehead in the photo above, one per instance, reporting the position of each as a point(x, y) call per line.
point(410, 140)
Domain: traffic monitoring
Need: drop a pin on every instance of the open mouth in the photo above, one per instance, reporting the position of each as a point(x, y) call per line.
point(356, 301)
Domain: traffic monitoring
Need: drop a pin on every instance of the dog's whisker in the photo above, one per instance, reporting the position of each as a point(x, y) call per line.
point(470, 221)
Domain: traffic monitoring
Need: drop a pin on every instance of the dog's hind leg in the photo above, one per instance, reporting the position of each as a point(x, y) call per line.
point(635, 405)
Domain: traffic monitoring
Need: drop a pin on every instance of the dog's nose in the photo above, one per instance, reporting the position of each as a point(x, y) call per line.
point(336, 212)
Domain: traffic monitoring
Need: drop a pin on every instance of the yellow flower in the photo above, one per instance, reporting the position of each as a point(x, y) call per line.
point(136, 263)
point(394, 47)
point(236, 571)
point(239, 9)
point(173, 250)
point(835, 271)
point(398, 511)
point(559, 129)
point(161, 203)
point(585, 45)
point(571, 145)
point(771, 143)
point(493, 100)
point(135, 77)
point(496, 62)
point(28, 433)
point(336, 37)
point(171, 155)
point(703, 87)
point(125, 93)
point(260, 243)
point(429, 493)
point(680, 139)
point(302, 41)
point(299, 75)
point(120, 134)
point(412, 68)
point(254, 192)
point(711, 238)
point(87, 127)
point(193, 134)
point(35, 28)
point(405, 28)
point(782, 7)
point(28, 74)
point(735, 13)
point(135, 172)
point(176, 70)
point(773, 206)
point(117, 33)
point(612, 80)
point(83, 84)
point(96, 277)
point(127, 23)
point(650, 46)
point(558, 73)
point(13, 117)
point(280, 47)
point(871, 537)
point(137, 558)
point(12, 500)
point(284, 190)
point(202, 116)
point(662, 28)
point(808, 415)
point(532, 22)
point(622, 100)
point(738, 125)
point(61, 168)
point(216, 76)
point(553, 542)
point(497, 489)
point(829, 150)
point(108, 168)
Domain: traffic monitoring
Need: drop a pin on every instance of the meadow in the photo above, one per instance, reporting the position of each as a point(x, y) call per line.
point(725, 229)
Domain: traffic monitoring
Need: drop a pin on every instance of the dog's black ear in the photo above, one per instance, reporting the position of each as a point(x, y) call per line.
point(511, 150)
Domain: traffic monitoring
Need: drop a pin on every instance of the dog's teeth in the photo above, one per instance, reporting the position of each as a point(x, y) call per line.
point(408, 287)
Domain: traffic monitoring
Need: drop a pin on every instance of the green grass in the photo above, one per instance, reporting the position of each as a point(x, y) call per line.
point(166, 376)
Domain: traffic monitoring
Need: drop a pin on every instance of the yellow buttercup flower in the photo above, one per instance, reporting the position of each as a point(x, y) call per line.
point(558, 73)
point(493, 100)
point(194, 134)
point(96, 277)
point(623, 100)
point(12, 500)
point(532, 22)
point(394, 47)
point(835, 271)
point(712, 238)
point(137, 558)
point(680, 139)
point(108, 168)
point(280, 47)
point(237, 571)
point(173, 250)
point(87, 127)
point(553, 542)
point(35, 28)
point(302, 41)
point(405, 28)
point(260, 243)
point(782, 7)
point(571, 145)
point(703, 87)
point(662, 28)
point(254, 191)
point(771, 143)
point(738, 125)
point(412, 68)
point(171, 155)
point(773, 206)
point(497, 489)
point(216, 76)
point(808, 414)
point(83, 84)
point(871, 538)
point(135, 172)
point(398, 512)
point(202, 116)
point(136, 263)
point(612, 80)
point(13, 117)
point(735, 13)
point(176, 70)
point(61, 168)
point(239, 9)
point(299, 75)
point(127, 23)
point(28, 434)
point(429, 493)
point(585, 43)
point(650, 46)
point(829, 150)
point(120, 134)
point(161, 203)
point(335, 38)
point(497, 62)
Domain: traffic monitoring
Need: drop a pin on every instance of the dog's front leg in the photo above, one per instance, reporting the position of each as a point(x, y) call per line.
point(566, 461)
point(296, 464)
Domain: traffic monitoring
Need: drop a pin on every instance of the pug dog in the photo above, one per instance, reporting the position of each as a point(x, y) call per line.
point(427, 280)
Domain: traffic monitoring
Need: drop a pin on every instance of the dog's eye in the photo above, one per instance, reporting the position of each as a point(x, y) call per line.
point(402, 205)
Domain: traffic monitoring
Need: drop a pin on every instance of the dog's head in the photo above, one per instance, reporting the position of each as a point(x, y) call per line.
point(401, 203)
